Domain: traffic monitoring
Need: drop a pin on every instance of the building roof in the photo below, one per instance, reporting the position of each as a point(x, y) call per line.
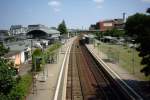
point(18, 46)
point(117, 21)
point(106, 21)
point(48, 31)
point(16, 27)
point(11, 53)
point(42, 28)
point(52, 31)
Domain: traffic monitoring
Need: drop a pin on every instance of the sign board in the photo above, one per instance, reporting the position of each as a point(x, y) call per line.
point(108, 24)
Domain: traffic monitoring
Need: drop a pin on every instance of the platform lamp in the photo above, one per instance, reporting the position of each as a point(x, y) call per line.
point(133, 60)
point(98, 48)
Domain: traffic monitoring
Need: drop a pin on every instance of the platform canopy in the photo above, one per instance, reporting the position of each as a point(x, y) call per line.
point(42, 33)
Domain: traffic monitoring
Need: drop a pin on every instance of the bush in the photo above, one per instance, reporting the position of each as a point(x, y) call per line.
point(54, 47)
point(3, 97)
point(52, 50)
point(21, 89)
point(36, 53)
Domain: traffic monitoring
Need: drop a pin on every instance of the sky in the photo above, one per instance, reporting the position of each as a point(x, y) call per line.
point(76, 13)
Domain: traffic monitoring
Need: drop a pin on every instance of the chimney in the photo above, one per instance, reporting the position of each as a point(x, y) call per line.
point(124, 15)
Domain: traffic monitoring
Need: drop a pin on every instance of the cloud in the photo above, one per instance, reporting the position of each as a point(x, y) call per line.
point(54, 3)
point(148, 1)
point(99, 6)
point(98, 1)
point(57, 9)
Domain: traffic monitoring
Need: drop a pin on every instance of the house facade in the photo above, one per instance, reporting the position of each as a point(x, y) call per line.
point(19, 52)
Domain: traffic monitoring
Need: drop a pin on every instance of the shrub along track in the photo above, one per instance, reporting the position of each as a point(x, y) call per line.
point(87, 80)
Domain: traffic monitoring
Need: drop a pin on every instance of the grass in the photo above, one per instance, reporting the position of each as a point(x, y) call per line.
point(22, 87)
point(124, 56)
point(52, 49)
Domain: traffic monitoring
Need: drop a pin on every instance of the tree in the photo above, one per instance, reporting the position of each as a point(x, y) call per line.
point(62, 28)
point(117, 33)
point(114, 32)
point(3, 50)
point(148, 10)
point(6, 73)
point(98, 34)
point(97, 26)
point(92, 27)
point(138, 27)
point(6, 77)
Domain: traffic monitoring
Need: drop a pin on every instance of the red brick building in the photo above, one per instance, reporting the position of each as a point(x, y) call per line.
point(106, 25)
point(110, 24)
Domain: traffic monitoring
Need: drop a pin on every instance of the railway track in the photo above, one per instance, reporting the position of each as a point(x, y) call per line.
point(86, 80)
point(74, 91)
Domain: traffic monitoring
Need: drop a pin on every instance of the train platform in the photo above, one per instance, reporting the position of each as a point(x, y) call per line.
point(46, 86)
point(138, 85)
point(124, 74)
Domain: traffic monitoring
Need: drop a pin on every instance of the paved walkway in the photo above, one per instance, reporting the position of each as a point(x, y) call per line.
point(46, 90)
point(24, 69)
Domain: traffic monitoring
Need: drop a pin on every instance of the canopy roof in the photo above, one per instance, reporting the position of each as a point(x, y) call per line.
point(50, 31)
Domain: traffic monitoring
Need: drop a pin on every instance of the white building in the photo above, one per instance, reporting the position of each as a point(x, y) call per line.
point(17, 29)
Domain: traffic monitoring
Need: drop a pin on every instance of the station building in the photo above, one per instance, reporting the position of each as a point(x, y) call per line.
point(105, 25)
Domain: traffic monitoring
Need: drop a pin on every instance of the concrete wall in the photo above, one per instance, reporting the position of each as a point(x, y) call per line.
point(22, 57)
point(18, 59)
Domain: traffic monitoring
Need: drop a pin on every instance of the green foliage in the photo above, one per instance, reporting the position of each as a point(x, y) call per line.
point(94, 26)
point(22, 88)
point(3, 97)
point(137, 24)
point(40, 58)
point(6, 76)
point(62, 28)
point(3, 50)
point(138, 27)
point(148, 10)
point(114, 32)
point(7, 72)
point(54, 47)
point(98, 34)
point(51, 50)
point(37, 54)
point(11, 87)
point(124, 56)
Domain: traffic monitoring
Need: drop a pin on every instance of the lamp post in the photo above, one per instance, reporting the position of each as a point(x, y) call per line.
point(43, 60)
point(34, 76)
point(133, 60)
point(99, 44)
point(98, 48)
point(94, 43)
point(46, 65)
point(118, 56)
